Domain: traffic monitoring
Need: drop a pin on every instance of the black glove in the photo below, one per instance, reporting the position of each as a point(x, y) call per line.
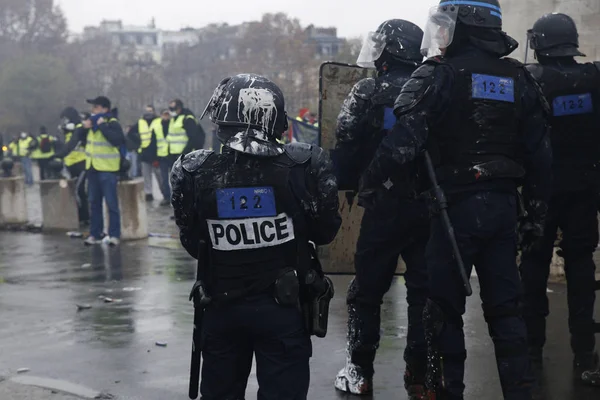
point(530, 236)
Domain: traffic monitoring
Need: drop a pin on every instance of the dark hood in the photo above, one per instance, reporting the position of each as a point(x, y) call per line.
point(71, 114)
point(493, 41)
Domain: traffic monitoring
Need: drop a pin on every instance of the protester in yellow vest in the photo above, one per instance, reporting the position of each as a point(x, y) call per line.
point(153, 145)
point(44, 150)
point(164, 160)
point(74, 157)
point(185, 134)
point(104, 141)
point(22, 148)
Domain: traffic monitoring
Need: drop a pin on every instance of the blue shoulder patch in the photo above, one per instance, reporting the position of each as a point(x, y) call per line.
point(489, 87)
point(575, 104)
point(389, 119)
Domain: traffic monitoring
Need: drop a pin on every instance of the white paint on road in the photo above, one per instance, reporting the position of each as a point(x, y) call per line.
point(57, 385)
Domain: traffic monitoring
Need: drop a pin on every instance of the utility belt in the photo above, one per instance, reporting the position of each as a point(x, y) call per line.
point(312, 293)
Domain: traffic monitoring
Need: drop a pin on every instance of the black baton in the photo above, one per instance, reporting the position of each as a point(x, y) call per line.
point(198, 314)
point(442, 204)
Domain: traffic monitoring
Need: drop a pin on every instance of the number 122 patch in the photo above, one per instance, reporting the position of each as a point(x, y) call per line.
point(573, 105)
point(490, 87)
point(248, 202)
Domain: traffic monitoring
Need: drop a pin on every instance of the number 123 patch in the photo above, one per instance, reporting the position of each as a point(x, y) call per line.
point(246, 202)
point(496, 88)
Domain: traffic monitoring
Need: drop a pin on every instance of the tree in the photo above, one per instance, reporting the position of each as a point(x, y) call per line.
point(349, 51)
point(37, 23)
point(33, 88)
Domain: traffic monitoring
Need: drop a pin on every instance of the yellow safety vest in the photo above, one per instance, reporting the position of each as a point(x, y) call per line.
point(78, 154)
point(101, 155)
point(37, 154)
point(162, 146)
point(22, 147)
point(177, 137)
point(14, 149)
point(145, 131)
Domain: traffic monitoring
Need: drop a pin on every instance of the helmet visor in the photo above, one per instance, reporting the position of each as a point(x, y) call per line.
point(372, 49)
point(439, 31)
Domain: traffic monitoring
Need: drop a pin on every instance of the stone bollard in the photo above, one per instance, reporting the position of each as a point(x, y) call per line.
point(17, 169)
point(13, 203)
point(132, 204)
point(59, 205)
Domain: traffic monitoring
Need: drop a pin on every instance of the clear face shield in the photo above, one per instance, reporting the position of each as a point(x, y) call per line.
point(439, 30)
point(372, 49)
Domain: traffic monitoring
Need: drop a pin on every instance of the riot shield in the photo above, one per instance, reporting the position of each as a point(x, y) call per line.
point(336, 82)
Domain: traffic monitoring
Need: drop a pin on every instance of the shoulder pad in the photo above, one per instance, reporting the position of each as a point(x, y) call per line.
point(532, 80)
point(299, 152)
point(365, 88)
point(424, 70)
point(192, 162)
point(513, 61)
point(536, 70)
point(415, 88)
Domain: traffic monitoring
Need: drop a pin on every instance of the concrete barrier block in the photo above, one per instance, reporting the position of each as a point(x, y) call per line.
point(132, 204)
point(59, 205)
point(13, 202)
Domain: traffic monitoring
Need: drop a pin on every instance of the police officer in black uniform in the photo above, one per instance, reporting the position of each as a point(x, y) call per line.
point(482, 119)
point(258, 204)
point(394, 222)
point(573, 91)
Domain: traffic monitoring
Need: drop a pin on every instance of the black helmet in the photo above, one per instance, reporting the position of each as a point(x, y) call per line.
point(555, 35)
point(248, 105)
point(395, 40)
point(402, 40)
point(480, 13)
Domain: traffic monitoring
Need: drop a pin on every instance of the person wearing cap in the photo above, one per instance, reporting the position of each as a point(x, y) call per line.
point(104, 138)
point(185, 134)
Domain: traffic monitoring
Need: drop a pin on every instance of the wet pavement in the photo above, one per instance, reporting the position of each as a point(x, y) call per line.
point(111, 347)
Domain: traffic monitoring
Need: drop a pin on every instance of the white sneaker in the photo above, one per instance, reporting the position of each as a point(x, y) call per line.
point(111, 241)
point(90, 241)
point(351, 380)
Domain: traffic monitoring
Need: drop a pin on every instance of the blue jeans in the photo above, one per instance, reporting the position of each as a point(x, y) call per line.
point(27, 170)
point(103, 185)
point(165, 172)
point(132, 156)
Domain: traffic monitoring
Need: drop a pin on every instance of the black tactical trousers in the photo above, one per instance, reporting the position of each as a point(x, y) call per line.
point(232, 334)
point(78, 172)
point(391, 229)
point(485, 228)
point(575, 213)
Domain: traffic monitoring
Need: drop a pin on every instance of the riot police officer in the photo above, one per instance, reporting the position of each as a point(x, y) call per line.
point(394, 224)
point(573, 91)
point(257, 205)
point(482, 119)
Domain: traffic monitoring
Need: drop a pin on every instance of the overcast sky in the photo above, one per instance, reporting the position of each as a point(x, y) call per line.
point(351, 17)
